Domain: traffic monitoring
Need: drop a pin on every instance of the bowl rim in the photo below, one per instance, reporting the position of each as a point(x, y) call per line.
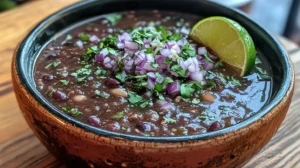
point(27, 42)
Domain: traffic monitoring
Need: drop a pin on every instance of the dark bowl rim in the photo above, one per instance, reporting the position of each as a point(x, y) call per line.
point(26, 43)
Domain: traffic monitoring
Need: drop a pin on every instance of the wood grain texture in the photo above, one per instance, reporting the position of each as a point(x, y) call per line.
point(20, 148)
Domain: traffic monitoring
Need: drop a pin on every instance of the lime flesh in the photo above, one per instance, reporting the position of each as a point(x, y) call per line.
point(228, 39)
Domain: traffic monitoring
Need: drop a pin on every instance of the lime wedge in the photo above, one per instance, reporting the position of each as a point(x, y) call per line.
point(228, 39)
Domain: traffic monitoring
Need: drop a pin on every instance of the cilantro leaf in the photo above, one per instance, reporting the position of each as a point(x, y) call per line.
point(84, 37)
point(149, 51)
point(134, 98)
point(154, 65)
point(212, 84)
point(168, 80)
point(169, 120)
point(101, 94)
point(186, 90)
point(73, 111)
point(179, 70)
point(235, 82)
point(121, 77)
point(186, 52)
point(114, 18)
point(207, 58)
point(175, 37)
point(54, 64)
point(119, 115)
point(64, 82)
point(196, 101)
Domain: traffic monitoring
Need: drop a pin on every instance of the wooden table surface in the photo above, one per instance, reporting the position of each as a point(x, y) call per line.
point(20, 148)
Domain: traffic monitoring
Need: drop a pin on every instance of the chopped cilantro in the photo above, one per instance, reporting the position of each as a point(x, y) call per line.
point(158, 87)
point(179, 70)
point(175, 37)
point(196, 101)
point(100, 71)
point(235, 81)
point(121, 77)
point(154, 65)
point(134, 98)
point(207, 58)
point(69, 37)
point(144, 104)
point(186, 90)
point(119, 115)
point(92, 50)
point(262, 73)
point(212, 84)
point(169, 120)
point(186, 52)
point(54, 64)
point(168, 80)
point(224, 108)
point(167, 61)
point(257, 61)
point(202, 117)
point(64, 82)
point(148, 51)
point(219, 64)
point(114, 18)
point(112, 51)
point(84, 37)
point(73, 111)
point(101, 94)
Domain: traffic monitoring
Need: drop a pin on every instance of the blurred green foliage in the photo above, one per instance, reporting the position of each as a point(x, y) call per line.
point(7, 4)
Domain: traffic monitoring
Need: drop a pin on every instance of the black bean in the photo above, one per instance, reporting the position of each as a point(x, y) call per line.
point(94, 121)
point(112, 83)
point(59, 95)
point(141, 127)
point(215, 126)
point(48, 77)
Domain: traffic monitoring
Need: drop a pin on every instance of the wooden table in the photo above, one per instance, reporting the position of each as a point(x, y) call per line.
point(20, 148)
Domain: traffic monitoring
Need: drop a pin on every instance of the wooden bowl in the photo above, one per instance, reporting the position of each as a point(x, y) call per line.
point(81, 145)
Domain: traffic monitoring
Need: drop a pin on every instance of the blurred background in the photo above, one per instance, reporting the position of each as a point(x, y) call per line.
point(280, 17)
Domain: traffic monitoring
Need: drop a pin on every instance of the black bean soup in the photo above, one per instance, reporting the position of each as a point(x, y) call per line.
point(138, 73)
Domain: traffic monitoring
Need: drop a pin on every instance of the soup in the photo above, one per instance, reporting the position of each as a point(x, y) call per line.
point(137, 72)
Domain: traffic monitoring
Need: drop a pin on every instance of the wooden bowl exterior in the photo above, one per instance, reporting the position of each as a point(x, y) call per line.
point(80, 148)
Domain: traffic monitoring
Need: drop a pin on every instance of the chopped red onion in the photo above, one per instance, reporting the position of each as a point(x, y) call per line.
point(185, 30)
point(173, 88)
point(202, 50)
point(160, 61)
point(100, 57)
point(167, 107)
point(165, 52)
point(131, 45)
point(150, 83)
point(94, 38)
point(198, 76)
point(206, 65)
point(148, 67)
point(151, 76)
point(79, 43)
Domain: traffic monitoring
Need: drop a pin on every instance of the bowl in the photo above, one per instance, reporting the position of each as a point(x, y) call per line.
point(81, 145)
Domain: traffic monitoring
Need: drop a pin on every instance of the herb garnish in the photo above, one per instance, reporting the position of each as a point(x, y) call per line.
point(114, 18)
point(54, 64)
point(73, 111)
point(101, 94)
point(169, 120)
point(84, 37)
point(119, 115)
point(64, 82)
